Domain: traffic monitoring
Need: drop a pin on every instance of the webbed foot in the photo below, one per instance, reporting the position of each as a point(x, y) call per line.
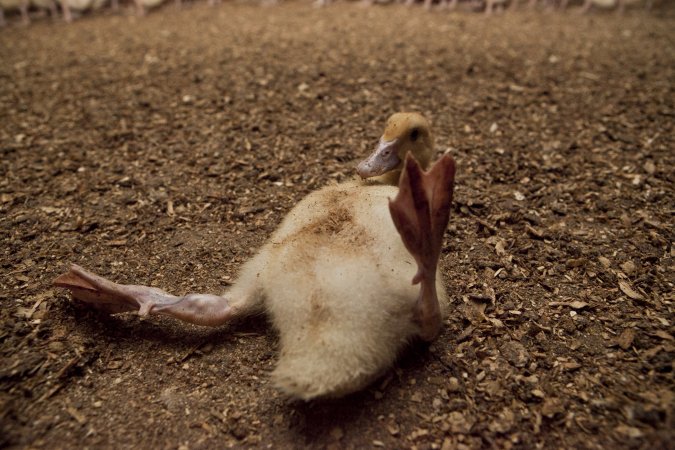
point(420, 212)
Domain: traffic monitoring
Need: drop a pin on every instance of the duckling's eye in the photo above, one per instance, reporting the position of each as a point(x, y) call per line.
point(414, 134)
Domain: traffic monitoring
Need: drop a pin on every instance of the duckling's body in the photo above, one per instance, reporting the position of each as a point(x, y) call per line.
point(78, 5)
point(344, 304)
point(335, 277)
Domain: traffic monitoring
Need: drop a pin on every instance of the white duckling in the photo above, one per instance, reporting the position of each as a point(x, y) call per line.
point(9, 5)
point(335, 277)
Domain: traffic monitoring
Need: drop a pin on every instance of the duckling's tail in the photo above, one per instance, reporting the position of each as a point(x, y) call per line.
point(308, 377)
point(337, 360)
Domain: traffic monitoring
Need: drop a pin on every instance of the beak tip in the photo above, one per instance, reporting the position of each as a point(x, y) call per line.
point(361, 170)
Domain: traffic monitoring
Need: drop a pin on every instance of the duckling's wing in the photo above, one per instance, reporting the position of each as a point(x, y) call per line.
point(420, 213)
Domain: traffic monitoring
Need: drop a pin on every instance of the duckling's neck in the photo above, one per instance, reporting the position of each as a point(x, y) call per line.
point(389, 178)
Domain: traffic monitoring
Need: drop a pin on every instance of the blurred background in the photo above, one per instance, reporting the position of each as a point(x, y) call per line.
point(161, 143)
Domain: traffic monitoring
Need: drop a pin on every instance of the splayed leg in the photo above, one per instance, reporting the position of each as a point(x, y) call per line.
point(103, 294)
point(420, 213)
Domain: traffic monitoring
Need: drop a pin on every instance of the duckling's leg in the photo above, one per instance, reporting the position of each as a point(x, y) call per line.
point(67, 14)
point(200, 309)
point(420, 213)
point(140, 9)
point(53, 11)
point(23, 8)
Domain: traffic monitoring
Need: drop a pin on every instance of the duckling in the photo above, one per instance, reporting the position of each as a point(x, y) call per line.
point(8, 5)
point(335, 277)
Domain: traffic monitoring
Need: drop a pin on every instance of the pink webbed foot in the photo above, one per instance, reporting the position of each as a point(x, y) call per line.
point(420, 212)
point(103, 294)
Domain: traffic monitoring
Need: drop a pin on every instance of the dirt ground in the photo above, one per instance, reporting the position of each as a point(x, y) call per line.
point(165, 150)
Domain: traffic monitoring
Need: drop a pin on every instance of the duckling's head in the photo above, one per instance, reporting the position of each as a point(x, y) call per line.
point(405, 132)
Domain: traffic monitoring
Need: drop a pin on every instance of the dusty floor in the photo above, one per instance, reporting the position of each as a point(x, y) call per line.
point(164, 151)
